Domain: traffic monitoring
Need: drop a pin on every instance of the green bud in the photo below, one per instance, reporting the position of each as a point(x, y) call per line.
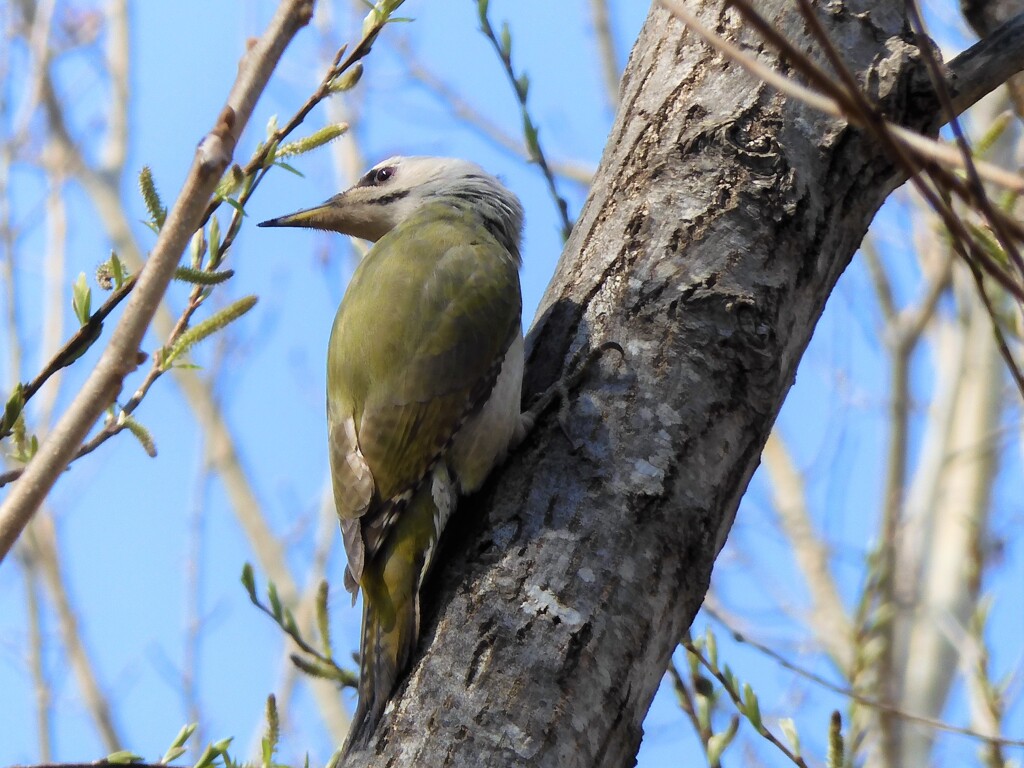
point(275, 600)
point(123, 757)
point(214, 242)
point(249, 581)
point(751, 708)
point(81, 299)
point(325, 135)
point(347, 80)
point(789, 731)
point(506, 41)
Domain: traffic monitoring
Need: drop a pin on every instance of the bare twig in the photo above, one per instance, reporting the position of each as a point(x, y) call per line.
point(520, 84)
point(485, 127)
point(119, 358)
point(37, 651)
point(43, 541)
point(861, 699)
point(734, 694)
point(830, 621)
point(609, 57)
point(912, 152)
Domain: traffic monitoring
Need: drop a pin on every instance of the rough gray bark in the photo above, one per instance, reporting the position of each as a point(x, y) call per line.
point(718, 223)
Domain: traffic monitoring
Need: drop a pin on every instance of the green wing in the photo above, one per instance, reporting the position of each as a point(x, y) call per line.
point(417, 344)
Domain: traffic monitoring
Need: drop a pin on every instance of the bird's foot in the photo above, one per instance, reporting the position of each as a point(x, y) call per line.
point(559, 391)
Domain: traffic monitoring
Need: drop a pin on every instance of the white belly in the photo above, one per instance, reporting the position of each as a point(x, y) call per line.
point(484, 439)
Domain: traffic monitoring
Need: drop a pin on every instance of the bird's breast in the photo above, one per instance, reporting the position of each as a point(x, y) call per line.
point(484, 439)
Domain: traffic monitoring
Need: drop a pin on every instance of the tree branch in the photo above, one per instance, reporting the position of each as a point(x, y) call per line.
point(720, 218)
point(212, 157)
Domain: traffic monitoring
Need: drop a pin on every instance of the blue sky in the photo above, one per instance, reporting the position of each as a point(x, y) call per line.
point(130, 527)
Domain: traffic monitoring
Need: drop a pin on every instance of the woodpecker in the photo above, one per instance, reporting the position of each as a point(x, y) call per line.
point(424, 381)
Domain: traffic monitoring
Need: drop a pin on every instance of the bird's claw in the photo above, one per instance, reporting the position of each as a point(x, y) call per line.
point(560, 390)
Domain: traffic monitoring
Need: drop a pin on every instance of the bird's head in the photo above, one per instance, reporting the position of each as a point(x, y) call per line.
point(392, 191)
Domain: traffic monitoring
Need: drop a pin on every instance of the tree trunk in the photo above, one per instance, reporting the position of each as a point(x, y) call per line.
point(718, 223)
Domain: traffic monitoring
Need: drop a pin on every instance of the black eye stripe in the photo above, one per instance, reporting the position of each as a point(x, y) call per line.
point(387, 199)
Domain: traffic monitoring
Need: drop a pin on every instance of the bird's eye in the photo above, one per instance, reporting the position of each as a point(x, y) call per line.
point(381, 175)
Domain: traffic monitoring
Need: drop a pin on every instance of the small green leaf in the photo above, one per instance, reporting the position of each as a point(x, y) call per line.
point(81, 299)
point(230, 182)
point(347, 80)
point(249, 582)
point(288, 622)
point(173, 754)
point(123, 757)
point(275, 601)
point(290, 169)
point(203, 330)
point(157, 211)
point(531, 136)
point(183, 736)
point(12, 410)
point(118, 270)
point(788, 728)
point(712, 646)
point(751, 708)
point(236, 205)
point(214, 242)
point(505, 42)
point(272, 127)
point(198, 247)
point(729, 679)
point(208, 758)
point(481, 9)
point(523, 86)
point(719, 741)
point(716, 746)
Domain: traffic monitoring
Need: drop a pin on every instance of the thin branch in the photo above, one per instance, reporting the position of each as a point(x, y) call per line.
point(40, 15)
point(608, 56)
point(867, 701)
point(52, 299)
point(486, 128)
point(119, 358)
point(914, 319)
point(835, 106)
point(734, 694)
point(912, 152)
point(37, 652)
point(520, 84)
point(828, 617)
point(43, 541)
point(115, 147)
point(879, 280)
point(979, 195)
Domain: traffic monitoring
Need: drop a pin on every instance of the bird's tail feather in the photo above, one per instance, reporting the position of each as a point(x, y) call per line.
point(391, 612)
